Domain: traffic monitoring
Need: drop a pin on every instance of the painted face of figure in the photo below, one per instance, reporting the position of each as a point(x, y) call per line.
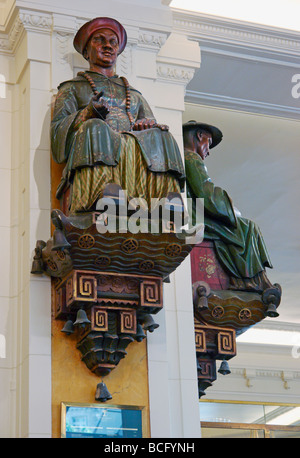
point(205, 141)
point(102, 49)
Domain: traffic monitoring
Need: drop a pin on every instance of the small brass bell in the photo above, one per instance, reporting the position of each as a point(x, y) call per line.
point(199, 368)
point(202, 303)
point(59, 241)
point(149, 324)
point(201, 291)
point(37, 266)
point(224, 368)
point(140, 335)
point(81, 319)
point(38, 263)
point(68, 327)
point(202, 299)
point(102, 393)
point(271, 311)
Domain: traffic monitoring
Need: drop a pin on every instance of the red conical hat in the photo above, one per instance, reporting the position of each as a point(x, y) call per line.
point(86, 31)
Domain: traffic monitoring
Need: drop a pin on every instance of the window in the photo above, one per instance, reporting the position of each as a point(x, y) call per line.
point(232, 419)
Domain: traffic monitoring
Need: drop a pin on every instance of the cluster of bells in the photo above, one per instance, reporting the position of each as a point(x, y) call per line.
point(59, 242)
point(201, 302)
point(146, 323)
point(81, 321)
point(223, 369)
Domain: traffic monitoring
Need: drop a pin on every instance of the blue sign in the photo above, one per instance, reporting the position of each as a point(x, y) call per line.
point(105, 422)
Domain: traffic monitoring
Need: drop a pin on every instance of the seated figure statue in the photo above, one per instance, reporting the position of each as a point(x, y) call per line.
point(238, 242)
point(105, 131)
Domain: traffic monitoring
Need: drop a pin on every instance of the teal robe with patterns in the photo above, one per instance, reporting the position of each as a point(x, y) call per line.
point(98, 142)
point(238, 241)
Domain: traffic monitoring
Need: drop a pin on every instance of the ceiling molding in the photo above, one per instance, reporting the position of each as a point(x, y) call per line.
point(236, 104)
point(242, 35)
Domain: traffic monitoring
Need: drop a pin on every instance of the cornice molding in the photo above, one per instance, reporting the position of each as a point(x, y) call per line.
point(239, 34)
point(236, 104)
point(23, 20)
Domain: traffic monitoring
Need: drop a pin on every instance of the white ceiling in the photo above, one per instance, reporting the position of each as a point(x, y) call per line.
point(246, 92)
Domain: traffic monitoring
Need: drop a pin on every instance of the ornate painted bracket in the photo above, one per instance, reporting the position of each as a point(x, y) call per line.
point(221, 314)
point(106, 286)
point(107, 311)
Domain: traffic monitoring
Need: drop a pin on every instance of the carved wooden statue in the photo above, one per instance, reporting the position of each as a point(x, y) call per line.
point(105, 131)
point(107, 281)
point(230, 287)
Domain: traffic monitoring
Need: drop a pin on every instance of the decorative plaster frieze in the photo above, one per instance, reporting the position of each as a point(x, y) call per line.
point(124, 62)
point(24, 20)
point(174, 73)
point(9, 40)
point(251, 374)
point(238, 33)
point(32, 20)
point(62, 48)
point(4, 43)
point(148, 39)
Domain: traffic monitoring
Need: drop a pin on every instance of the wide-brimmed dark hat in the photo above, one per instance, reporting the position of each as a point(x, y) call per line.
point(86, 31)
point(216, 134)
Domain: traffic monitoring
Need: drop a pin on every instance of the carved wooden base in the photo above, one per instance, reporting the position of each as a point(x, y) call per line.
point(220, 313)
point(212, 343)
point(106, 284)
point(114, 309)
point(156, 253)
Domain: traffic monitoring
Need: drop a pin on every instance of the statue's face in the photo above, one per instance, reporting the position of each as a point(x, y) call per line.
point(204, 143)
point(102, 48)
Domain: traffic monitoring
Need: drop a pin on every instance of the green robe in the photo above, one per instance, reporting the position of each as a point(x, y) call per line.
point(98, 142)
point(238, 241)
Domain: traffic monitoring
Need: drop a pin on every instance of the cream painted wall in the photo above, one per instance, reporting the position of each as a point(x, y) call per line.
point(37, 52)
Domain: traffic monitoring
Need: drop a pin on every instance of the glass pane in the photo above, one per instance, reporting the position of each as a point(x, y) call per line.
point(285, 434)
point(103, 422)
point(283, 415)
point(231, 413)
point(232, 433)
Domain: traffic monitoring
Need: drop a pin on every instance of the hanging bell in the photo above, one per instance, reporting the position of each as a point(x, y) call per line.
point(149, 324)
point(199, 368)
point(68, 327)
point(81, 319)
point(202, 299)
point(202, 303)
point(271, 311)
point(59, 241)
point(140, 335)
point(224, 368)
point(201, 291)
point(102, 393)
point(37, 266)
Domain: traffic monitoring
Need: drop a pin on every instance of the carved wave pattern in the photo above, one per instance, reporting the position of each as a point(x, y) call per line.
point(157, 255)
point(238, 313)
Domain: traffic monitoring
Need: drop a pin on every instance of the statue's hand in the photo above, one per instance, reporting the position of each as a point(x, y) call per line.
point(101, 107)
point(143, 124)
point(162, 126)
point(146, 123)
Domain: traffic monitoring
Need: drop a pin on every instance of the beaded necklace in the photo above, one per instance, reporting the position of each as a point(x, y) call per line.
point(127, 92)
